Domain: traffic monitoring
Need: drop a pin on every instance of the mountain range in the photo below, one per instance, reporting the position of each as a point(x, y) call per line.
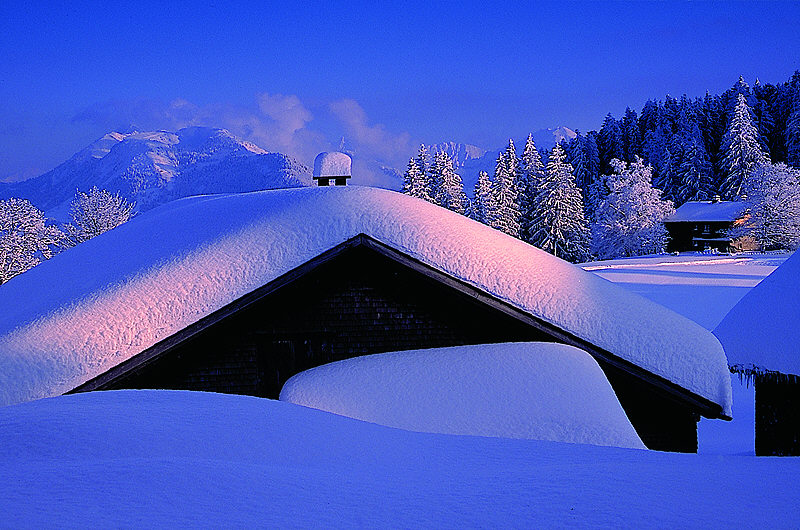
point(152, 168)
point(155, 167)
point(469, 160)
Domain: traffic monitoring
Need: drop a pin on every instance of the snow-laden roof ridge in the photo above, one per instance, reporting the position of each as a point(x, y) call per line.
point(759, 331)
point(218, 248)
point(708, 211)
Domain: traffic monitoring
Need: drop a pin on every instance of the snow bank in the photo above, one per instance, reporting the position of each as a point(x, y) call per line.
point(161, 459)
point(760, 332)
point(86, 310)
point(537, 391)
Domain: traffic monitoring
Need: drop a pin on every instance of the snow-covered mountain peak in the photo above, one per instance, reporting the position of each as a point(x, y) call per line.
point(152, 167)
point(459, 152)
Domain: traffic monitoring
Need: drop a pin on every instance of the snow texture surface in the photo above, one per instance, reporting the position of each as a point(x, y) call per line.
point(333, 164)
point(96, 305)
point(761, 330)
point(708, 211)
point(533, 390)
point(163, 459)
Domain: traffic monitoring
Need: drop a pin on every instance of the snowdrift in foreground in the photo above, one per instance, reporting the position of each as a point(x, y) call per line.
point(760, 332)
point(181, 459)
point(538, 391)
point(88, 309)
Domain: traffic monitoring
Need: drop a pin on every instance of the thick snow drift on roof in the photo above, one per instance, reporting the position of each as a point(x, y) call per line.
point(333, 164)
point(86, 310)
point(166, 459)
point(533, 390)
point(761, 331)
point(708, 211)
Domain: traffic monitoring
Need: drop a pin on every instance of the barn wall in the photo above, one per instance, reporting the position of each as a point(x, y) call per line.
point(363, 303)
point(777, 417)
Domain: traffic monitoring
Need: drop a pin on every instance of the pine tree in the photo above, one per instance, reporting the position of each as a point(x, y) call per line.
point(609, 142)
point(631, 137)
point(505, 195)
point(531, 177)
point(741, 149)
point(483, 209)
point(694, 171)
point(630, 221)
point(414, 184)
point(449, 187)
point(559, 225)
point(424, 165)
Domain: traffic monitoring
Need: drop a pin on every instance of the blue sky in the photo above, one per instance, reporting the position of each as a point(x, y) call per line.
point(297, 77)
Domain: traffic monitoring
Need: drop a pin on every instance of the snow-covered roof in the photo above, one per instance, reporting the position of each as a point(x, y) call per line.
point(531, 390)
point(332, 164)
point(708, 212)
point(90, 308)
point(760, 332)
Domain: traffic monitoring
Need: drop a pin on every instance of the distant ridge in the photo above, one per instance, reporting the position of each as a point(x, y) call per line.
point(155, 167)
point(469, 160)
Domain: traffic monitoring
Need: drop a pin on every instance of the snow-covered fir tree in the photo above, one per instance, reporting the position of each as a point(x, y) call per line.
point(448, 187)
point(483, 205)
point(417, 180)
point(689, 169)
point(95, 212)
point(693, 174)
point(631, 136)
point(414, 183)
point(630, 220)
point(559, 225)
point(609, 142)
point(423, 161)
point(741, 150)
point(774, 192)
point(530, 183)
point(505, 196)
point(25, 238)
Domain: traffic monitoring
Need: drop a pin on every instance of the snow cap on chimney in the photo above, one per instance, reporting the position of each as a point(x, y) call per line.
point(332, 166)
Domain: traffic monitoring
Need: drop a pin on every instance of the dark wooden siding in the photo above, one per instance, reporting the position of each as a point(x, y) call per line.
point(777, 417)
point(360, 303)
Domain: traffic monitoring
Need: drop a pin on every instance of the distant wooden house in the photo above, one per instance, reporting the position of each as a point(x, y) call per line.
point(760, 338)
point(293, 279)
point(704, 225)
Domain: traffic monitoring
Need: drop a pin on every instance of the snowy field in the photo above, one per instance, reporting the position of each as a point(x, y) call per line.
point(167, 459)
point(702, 287)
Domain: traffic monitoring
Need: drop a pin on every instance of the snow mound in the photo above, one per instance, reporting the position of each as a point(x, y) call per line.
point(166, 459)
point(760, 332)
point(90, 308)
point(536, 391)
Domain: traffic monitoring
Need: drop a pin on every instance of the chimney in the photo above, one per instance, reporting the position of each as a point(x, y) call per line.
point(716, 198)
point(333, 166)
